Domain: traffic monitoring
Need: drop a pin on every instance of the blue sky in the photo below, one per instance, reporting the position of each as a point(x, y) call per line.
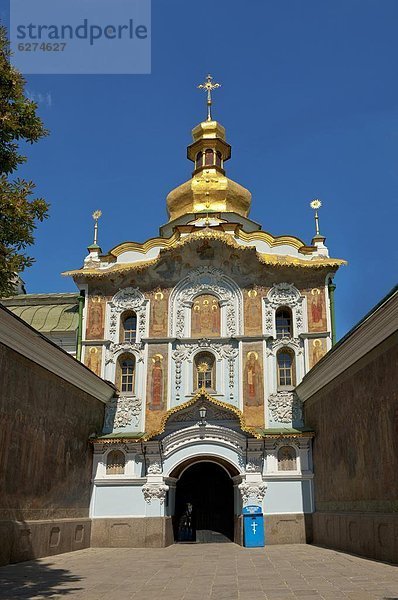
point(309, 102)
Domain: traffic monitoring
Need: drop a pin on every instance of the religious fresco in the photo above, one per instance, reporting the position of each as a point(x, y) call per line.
point(174, 264)
point(206, 317)
point(253, 384)
point(156, 404)
point(205, 251)
point(158, 326)
point(95, 317)
point(316, 309)
point(253, 311)
point(317, 349)
point(92, 359)
point(156, 400)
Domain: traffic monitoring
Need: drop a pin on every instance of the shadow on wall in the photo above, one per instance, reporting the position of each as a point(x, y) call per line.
point(36, 579)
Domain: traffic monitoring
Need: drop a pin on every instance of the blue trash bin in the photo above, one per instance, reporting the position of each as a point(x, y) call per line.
point(253, 527)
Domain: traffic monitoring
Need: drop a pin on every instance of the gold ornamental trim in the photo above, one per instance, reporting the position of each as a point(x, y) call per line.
point(203, 394)
point(258, 435)
point(146, 246)
point(280, 240)
point(272, 259)
point(175, 239)
point(208, 234)
point(178, 242)
point(266, 259)
point(287, 435)
point(121, 268)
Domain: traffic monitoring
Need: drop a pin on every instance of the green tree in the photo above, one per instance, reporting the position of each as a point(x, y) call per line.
point(19, 212)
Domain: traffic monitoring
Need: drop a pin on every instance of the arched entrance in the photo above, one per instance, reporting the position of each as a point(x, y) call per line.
point(208, 487)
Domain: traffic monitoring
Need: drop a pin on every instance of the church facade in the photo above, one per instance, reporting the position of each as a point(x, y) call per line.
point(205, 331)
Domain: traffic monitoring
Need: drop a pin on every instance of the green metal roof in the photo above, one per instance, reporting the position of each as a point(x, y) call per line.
point(284, 431)
point(47, 313)
point(128, 435)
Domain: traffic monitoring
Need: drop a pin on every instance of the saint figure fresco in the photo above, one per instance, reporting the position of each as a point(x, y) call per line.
point(156, 401)
point(159, 315)
point(318, 351)
point(252, 312)
point(93, 360)
point(205, 251)
point(252, 380)
point(205, 317)
point(316, 306)
point(95, 327)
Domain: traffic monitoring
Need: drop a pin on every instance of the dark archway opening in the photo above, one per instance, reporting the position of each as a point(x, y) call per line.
point(209, 489)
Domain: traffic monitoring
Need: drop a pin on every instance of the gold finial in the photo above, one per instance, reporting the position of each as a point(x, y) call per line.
point(208, 86)
point(96, 215)
point(315, 204)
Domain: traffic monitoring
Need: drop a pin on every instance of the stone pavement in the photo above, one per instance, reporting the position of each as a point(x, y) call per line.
point(201, 571)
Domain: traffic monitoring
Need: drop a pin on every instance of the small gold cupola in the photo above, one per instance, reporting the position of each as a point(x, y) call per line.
point(209, 190)
point(209, 148)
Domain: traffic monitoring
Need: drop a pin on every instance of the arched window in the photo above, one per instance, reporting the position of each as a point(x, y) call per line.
point(126, 374)
point(204, 375)
point(285, 362)
point(129, 327)
point(209, 157)
point(115, 462)
point(283, 322)
point(199, 160)
point(287, 460)
point(218, 158)
point(206, 317)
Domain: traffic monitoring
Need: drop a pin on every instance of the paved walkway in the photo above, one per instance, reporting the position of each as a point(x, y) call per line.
point(201, 571)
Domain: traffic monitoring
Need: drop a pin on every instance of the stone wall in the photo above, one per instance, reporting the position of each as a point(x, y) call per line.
point(45, 460)
point(355, 453)
point(144, 532)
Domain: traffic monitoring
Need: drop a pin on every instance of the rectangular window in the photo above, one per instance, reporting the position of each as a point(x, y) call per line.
point(205, 379)
point(130, 336)
point(285, 376)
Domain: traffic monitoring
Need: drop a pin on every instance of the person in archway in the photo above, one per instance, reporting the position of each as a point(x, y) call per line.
point(186, 526)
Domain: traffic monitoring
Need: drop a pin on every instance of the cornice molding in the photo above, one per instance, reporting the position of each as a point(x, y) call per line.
point(376, 328)
point(20, 337)
point(111, 480)
point(288, 476)
point(238, 239)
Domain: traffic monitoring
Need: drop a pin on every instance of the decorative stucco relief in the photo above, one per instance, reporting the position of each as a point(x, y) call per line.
point(153, 491)
point(295, 344)
point(114, 349)
point(252, 491)
point(155, 468)
point(283, 294)
point(127, 299)
point(121, 412)
point(206, 280)
point(222, 436)
point(285, 407)
point(222, 351)
point(254, 465)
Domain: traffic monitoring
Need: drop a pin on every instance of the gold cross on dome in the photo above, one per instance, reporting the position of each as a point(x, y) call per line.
point(209, 86)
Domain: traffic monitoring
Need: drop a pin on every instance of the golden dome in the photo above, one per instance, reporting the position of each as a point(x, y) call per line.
point(209, 190)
